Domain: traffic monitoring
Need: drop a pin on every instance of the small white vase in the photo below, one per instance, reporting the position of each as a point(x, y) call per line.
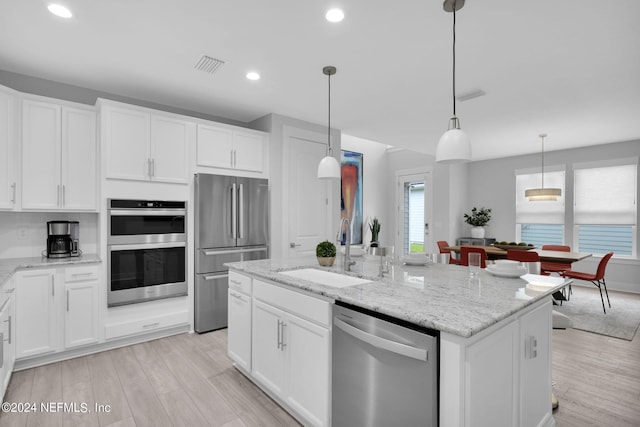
point(477, 232)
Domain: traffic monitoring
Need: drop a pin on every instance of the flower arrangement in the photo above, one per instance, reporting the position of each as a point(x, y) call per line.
point(479, 217)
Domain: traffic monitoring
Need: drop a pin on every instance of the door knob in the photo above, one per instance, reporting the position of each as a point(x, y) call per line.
point(292, 245)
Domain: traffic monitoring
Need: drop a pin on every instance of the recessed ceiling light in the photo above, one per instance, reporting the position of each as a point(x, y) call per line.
point(334, 15)
point(253, 75)
point(59, 10)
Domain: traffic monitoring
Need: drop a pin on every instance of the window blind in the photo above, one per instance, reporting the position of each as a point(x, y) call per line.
point(606, 195)
point(539, 212)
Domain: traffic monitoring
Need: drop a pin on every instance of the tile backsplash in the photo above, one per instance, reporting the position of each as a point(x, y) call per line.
point(24, 234)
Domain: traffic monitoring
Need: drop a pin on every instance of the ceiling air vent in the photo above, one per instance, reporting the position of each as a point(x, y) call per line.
point(208, 64)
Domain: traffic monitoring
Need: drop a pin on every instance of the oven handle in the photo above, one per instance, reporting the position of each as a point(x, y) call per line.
point(148, 212)
point(382, 343)
point(147, 246)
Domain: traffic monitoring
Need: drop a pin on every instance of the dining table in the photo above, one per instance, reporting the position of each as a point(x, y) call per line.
point(562, 257)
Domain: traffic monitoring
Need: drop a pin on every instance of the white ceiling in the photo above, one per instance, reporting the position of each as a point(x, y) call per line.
point(568, 68)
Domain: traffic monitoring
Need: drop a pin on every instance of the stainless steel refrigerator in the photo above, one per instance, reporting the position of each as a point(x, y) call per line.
point(231, 224)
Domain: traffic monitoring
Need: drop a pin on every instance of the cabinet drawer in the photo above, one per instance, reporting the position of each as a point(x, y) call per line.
point(240, 282)
point(81, 274)
point(305, 306)
point(146, 324)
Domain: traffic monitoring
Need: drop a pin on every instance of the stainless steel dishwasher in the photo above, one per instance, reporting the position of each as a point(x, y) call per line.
point(385, 371)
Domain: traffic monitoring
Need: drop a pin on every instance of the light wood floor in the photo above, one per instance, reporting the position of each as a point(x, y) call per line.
point(188, 380)
point(597, 378)
point(183, 380)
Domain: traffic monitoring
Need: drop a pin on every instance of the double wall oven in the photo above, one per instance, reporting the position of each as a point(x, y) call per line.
point(146, 244)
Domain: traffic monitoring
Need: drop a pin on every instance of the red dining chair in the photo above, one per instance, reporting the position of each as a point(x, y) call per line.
point(522, 256)
point(597, 279)
point(549, 267)
point(464, 255)
point(442, 244)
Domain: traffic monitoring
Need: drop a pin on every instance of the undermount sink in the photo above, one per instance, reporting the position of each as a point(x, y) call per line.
point(326, 278)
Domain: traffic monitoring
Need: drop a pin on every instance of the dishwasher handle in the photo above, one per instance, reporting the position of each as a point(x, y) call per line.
point(382, 343)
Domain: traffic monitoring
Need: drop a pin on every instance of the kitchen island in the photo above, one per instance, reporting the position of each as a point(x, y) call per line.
point(495, 333)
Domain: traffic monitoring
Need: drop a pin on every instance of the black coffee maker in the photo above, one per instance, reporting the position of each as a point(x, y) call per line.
point(62, 239)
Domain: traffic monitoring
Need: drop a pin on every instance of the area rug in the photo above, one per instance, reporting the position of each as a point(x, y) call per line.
point(585, 310)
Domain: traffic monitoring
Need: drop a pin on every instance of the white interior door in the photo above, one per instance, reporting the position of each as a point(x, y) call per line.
point(308, 209)
point(414, 212)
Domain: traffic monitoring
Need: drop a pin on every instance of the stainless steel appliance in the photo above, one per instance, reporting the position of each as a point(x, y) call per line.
point(385, 371)
point(146, 245)
point(231, 224)
point(63, 239)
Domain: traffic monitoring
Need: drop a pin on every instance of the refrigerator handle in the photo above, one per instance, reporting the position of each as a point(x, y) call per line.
point(241, 211)
point(234, 211)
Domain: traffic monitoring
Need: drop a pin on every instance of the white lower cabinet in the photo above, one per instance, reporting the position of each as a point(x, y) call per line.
point(82, 306)
point(239, 330)
point(501, 376)
point(56, 309)
point(7, 335)
point(291, 348)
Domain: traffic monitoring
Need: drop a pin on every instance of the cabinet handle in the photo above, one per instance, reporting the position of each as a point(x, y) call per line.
point(13, 193)
point(149, 167)
point(81, 274)
point(58, 201)
point(235, 282)
point(236, 296)
point(1, 350)
point(151, 325)
point(231, 158)
point(279, 342)
point(153, 167)
point(53, 289)
point(10, 291)
point(283, 344)
point(67, 300)
point(235, 158)
point(64, 195)
point(9, 329)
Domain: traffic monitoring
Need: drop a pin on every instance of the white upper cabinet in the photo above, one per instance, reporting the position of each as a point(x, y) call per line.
point(59, 167)
point(231, 148)
point(8, 149)
point(143, 146)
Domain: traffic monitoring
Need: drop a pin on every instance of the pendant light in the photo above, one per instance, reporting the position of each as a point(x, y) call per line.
point(543, 194)
point(329, 167)
point(454, 145)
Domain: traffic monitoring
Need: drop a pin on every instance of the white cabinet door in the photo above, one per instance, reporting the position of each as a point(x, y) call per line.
point(267, 351)
point(41, 138)
point(169, 149)
point(535, 366)
point(7, 342)
point(8, 151)
point(79, 162)
point(36, 314)
point(214, 147)
point(239, 337)
point(127, 139)
point(307, 347)
point(248, 151)
point(491, 379)
point(81, 316)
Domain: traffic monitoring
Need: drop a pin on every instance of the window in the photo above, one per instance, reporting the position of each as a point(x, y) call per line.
point(605, 210)
point(540, 222)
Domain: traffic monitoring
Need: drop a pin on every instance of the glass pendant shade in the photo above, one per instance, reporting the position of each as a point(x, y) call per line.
point(328, 168)
point(454, 145)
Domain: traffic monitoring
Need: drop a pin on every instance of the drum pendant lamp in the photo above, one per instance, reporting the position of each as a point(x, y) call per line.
point(329, 167)
point(543, 194)
point(454, 145)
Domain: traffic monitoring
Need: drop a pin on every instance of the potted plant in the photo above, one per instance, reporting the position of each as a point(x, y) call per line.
point(374, 226)
point(478, 219)
point(326, 253)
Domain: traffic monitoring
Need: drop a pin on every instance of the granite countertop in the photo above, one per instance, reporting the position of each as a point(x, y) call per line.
point(8, 266)
point(437, 296)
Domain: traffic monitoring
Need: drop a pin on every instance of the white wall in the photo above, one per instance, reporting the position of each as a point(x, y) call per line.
point(491, 183)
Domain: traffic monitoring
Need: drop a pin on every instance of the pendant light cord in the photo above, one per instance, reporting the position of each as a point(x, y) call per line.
point(329, 126)
point(542, 138)
point(454, 60)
